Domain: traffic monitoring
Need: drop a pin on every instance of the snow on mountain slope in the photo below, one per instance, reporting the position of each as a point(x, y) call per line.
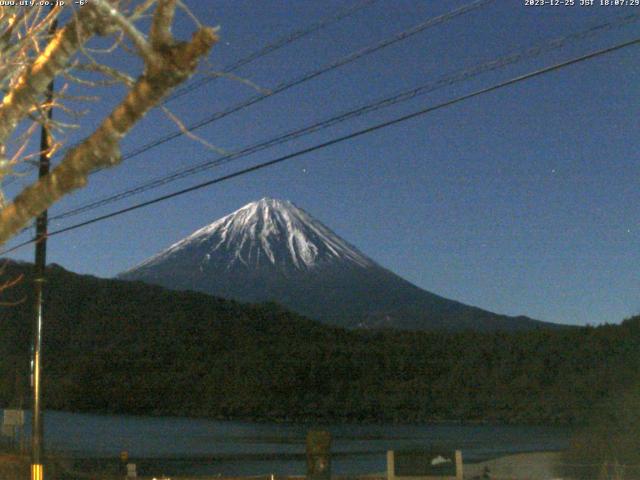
point(268, 231)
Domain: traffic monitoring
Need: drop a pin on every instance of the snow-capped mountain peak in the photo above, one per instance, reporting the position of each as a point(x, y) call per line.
point(267, 233)
point(271, 250)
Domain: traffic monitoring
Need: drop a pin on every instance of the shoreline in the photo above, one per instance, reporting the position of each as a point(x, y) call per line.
point(317, 422)
point(543, 465)
point(530, 466)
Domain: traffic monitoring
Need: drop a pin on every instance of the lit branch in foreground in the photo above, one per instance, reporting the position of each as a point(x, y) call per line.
point(167, 64)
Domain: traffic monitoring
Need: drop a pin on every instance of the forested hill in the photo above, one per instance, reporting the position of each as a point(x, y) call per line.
point(115, 346)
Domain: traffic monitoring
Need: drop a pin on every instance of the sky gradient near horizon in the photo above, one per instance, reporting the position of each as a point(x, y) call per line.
point(522, 201)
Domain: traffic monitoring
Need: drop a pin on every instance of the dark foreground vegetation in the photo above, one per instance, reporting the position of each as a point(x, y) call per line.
point(114, 346)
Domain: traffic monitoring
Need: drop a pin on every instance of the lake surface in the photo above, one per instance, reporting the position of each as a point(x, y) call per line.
point(174, 446)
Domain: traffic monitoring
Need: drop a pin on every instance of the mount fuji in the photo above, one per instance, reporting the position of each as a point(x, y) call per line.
point(271, 250)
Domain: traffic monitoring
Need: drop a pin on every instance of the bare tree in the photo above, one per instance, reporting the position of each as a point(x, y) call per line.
point(31, 57)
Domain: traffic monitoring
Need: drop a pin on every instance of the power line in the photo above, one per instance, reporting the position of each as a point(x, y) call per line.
point(431, 22)
point(276, 45)
point(343, 138)
point(403, 35)
point(270, 48)
point(448, 80)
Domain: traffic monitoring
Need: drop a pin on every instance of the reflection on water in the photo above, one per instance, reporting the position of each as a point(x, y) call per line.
point(199, 446)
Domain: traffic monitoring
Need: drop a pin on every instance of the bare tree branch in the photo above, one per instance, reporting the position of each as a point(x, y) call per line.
point(144, 48)
point(17, 103)
point(161, 26)
point(183, 128)
point(171, 64)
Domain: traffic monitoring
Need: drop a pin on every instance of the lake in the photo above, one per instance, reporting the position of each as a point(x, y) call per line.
point(174, 446)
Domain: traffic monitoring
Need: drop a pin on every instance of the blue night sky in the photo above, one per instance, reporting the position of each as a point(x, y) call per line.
point(522, 201)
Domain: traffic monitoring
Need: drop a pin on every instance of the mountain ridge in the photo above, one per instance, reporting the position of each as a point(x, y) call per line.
point(127, 347)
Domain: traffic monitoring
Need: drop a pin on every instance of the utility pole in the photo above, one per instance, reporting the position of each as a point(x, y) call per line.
point(37, 469)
